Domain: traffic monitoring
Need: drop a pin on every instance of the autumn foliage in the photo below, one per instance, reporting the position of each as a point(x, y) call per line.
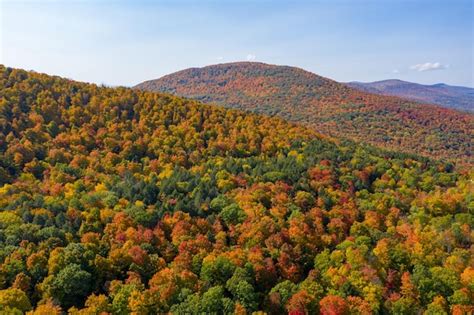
point(327, 106)
point(117, 201)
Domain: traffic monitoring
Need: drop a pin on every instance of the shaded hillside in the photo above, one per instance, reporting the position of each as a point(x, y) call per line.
point(329, 107)
point(457, 97)
point(118, 201)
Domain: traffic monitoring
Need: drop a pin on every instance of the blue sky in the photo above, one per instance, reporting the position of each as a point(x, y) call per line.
point(126, 42)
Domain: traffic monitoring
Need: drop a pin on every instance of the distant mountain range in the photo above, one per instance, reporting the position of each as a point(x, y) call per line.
point(329, 107)
point(457, 97)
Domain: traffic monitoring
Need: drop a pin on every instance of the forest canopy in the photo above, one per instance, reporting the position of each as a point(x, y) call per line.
point(327, 106)
point(119, 201)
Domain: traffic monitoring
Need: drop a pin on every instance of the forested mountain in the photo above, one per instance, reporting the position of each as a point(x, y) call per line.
point(329, 107)
point(118, 201)
point(457, 97)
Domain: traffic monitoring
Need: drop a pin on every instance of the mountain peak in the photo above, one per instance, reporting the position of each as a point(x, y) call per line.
point(329, 107)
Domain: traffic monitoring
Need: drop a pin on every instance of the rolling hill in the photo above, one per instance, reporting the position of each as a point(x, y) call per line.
point(120, 201)
point(456, 97)
point(329, 107)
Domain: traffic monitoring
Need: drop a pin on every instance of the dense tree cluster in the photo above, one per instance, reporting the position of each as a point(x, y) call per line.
point(327, 106)
point(119, 201)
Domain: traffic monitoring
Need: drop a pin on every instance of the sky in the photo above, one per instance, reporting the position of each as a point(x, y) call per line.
point(127, 42)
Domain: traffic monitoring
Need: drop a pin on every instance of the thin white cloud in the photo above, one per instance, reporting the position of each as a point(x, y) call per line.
point(251, 57)
point(395, 71)
point(428, 66)
point(220, 58)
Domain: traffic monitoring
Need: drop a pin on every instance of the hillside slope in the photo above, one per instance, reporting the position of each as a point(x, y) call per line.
point(117, 201)
point(456, 97)
point(329, 107)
